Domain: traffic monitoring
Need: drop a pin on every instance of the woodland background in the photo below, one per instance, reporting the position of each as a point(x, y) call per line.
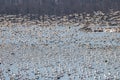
point(56, 7)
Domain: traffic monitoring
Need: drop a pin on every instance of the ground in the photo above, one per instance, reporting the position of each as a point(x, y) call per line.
point(58, 53)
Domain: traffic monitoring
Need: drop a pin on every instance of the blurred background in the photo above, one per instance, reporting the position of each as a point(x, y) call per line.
point(56, 7)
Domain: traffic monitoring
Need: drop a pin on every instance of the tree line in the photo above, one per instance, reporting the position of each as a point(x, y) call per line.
point(56, 7)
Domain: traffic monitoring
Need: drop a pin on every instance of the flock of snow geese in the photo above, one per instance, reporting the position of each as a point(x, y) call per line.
point(87, 22)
